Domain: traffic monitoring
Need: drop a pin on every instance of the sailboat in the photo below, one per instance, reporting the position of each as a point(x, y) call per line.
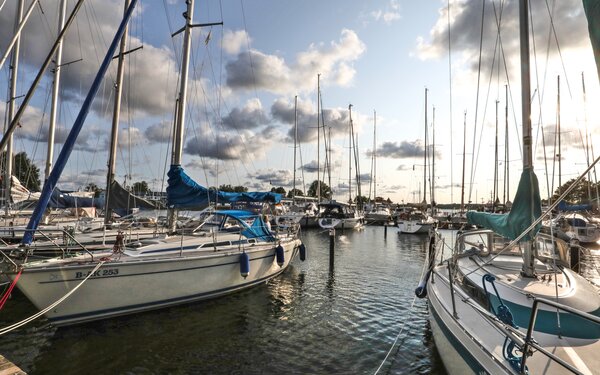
point(334, 214)
point(229, 251)
point(419, 221)
point(377, 213)
point(504, 302)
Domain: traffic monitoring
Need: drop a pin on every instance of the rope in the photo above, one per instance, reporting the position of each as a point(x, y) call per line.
point(10, 289)
point(42, 312)
point(425, 265)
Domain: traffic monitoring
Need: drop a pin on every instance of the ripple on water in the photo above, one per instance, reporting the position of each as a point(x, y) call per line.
point(310, 320)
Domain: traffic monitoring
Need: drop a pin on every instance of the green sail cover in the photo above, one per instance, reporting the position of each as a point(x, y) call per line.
point(526, 208)
point(592, 12)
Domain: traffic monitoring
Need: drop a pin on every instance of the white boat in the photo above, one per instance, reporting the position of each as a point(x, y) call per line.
point(378, 215)
point(227, 252)
point(338, 215)
point(576, 226)
point(415, 222)
point(505, 301)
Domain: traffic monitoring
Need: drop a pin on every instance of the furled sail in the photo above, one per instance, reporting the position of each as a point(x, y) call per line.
point(526, 208)
point(185, 193)
point(120, 198)
point(592, 11)
point(60, 199)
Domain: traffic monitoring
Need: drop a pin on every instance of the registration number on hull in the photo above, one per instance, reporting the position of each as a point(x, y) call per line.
point(98, 273)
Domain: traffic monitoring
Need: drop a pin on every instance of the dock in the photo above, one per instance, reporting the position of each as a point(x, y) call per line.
point(9, 368)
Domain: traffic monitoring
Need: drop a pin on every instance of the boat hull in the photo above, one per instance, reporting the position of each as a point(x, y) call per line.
point(125, 287)
point(413, 227)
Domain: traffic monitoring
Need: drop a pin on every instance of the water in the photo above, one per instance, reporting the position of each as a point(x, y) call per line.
point(306, 321)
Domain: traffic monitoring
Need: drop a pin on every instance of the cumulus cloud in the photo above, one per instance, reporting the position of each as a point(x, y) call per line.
point(253, 69)
point(251, 116)
point(225, 146)
point(159, 132)
point(281, 177)
point(233, 41)
point(403, 150)
point(465, 23)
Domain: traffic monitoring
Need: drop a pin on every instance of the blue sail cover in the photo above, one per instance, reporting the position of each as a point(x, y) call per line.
point(258, 229)
point(526, 208)
point(185, 193)
point(60, 199)
point(564, 206)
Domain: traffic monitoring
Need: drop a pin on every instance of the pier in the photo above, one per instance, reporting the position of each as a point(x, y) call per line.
point(9, 368)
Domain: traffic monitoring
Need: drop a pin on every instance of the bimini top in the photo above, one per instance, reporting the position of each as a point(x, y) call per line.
point(526, 208)
point(185, 193)
point(253, 225)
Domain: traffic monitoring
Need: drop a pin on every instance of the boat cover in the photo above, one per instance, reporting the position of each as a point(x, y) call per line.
point(185, 193)
point(60, 199)
point(526, 208)
point(564, 206)
point(120, 198)
point(258, 229)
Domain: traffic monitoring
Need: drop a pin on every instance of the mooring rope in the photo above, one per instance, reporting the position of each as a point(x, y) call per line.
point(42, 312)
point(425, 265)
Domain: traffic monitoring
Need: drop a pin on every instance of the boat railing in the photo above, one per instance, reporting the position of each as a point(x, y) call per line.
point(530, 342)
point(68, 240)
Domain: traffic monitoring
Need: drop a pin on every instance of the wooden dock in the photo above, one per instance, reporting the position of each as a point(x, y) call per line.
point(9, 368)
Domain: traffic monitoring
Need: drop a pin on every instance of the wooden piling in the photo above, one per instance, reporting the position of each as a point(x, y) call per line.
point(331, 248)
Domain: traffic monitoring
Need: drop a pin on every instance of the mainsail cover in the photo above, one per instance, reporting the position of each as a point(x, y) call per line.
point(119, 199)
point(526, 208)
point(592, 12)
point(60, 199)
point(185, 193)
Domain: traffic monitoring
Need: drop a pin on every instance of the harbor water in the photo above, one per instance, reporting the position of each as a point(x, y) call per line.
point(309, 320)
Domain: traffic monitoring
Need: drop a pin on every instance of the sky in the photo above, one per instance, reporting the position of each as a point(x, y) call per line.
point(380, 57)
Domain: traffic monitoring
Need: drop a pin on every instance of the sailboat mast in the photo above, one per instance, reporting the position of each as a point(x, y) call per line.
point(558, 129)
point(20, 22)
point(11, 109)
point(496, 194)
point(425, 156)
point(350, 141)
point(374, 155)
point(182, 99)
point(462, 189)
point(295, 145)
point(432, 183)
point(506, 169)
point(110, 176)
point(528, 251)
point(55, 88)
point(319, 137)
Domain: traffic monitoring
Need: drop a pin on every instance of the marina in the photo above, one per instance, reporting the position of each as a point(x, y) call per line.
point(222, 253)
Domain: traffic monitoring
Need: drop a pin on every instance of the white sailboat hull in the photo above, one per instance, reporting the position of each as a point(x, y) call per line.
point(128, 285)
point(414, 227)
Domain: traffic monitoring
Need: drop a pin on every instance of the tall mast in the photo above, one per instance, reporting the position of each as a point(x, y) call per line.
point(374, 155)
point(496, 194)
point(319, 137)
point(20, 22)
point(55, 88)
point(425, 157)
point(14, 69)
point(528, 251)
point(432, 183)
point(295, 142)
point(462, 189)
point(506, 169)
point(350, 141)
point(558, 129)
point(110, 176)
point(182, 98)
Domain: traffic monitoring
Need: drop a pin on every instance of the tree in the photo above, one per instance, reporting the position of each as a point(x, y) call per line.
point(291, 194)
point(233, 189)
point(325, 190)
point(141, 188)
point(93, 187)
point(279, 190)
point(579, 194)
point(24, 170)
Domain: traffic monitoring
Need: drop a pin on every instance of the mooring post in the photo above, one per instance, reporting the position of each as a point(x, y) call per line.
point(385, 230)
point(331, 248)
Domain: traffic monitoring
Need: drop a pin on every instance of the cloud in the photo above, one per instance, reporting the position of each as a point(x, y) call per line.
point(255, 70)
point(251, 116)
point(403, 150)
point(402, 167)
point(233, 41)
point(389, 14)
point(225, 146)
point(159, 132)
point(465, 19)
point(311, 167)
point(281, 177)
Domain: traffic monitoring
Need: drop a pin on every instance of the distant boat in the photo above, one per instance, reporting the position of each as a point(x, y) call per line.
point(576, 226)
point(415, 222)
point(339, 215)
point(503, 302)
